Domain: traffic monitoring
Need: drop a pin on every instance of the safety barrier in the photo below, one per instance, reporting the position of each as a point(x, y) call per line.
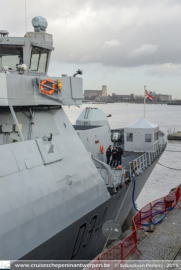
point(123, 250)
point(129, 245)
point(113, 253)
point(170, 200)
point(119, 252)
point(161, 205)
point(178, 195)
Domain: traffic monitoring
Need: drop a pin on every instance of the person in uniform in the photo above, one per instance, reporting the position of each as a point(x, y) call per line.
point(119, 155)
point(109, 154)
point(114, 156)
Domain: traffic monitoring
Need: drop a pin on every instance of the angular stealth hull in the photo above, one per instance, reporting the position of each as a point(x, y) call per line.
point(83, 240)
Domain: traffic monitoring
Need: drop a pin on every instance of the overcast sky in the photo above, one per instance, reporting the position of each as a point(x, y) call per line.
point(122, 44)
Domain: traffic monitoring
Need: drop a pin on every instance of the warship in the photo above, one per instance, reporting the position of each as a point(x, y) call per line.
point(56, 190)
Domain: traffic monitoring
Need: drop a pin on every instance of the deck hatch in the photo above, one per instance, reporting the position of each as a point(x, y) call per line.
point(48, 151)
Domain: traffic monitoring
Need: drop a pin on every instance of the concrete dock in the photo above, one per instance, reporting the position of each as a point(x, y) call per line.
point(160, 248)
point(175, 136)
point(164, 243)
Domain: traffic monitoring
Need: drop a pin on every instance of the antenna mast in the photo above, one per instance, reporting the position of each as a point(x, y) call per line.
point(25, 17)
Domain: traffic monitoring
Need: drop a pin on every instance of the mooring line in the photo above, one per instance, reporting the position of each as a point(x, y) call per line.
point(116, 217)
point(172, 151)
point(169, 167)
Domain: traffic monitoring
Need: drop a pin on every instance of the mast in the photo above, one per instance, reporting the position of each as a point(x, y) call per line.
point(144, 100)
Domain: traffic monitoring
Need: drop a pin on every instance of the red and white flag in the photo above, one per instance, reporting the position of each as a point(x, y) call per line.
point(148, 96)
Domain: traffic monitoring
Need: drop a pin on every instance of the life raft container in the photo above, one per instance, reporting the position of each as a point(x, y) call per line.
point(45, 91)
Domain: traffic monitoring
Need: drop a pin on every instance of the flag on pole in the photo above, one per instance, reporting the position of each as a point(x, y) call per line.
point(148, 96)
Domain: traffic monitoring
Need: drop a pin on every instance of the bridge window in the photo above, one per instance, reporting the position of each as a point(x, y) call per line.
point(11, 57)
point(39, 58)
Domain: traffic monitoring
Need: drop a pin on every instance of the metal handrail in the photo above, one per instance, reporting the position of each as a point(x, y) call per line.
point(107, 169)
point(142, 162)
point(138, 164)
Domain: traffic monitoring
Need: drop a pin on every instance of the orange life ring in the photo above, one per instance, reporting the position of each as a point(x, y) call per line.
point(102, 149)
point(47, 92)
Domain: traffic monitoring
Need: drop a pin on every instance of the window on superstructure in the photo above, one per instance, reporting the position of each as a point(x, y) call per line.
point(148, 137)
point(11, 57)
point(129, 137)
point(39, 58)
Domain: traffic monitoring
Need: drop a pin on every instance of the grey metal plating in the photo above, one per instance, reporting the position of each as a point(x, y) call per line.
point(48, 180)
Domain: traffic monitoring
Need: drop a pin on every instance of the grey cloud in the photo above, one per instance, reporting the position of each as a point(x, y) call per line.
point(165, 70)
point(111, 43)
point(145, 49)
point(113, 33)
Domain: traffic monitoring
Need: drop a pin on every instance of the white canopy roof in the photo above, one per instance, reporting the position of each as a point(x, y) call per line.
point(141, 136)
point(143, 124)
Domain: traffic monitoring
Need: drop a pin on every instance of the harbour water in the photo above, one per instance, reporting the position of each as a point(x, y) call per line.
point(162, 179)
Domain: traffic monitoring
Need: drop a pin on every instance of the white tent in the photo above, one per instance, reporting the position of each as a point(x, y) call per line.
point(142, 136)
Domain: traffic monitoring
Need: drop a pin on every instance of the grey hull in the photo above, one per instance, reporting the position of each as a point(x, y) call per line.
point(83, 240)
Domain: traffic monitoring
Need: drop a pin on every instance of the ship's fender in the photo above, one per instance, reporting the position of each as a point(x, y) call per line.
point(45, 91)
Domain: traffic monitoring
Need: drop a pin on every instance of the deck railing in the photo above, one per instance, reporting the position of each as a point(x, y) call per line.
point(139, 164)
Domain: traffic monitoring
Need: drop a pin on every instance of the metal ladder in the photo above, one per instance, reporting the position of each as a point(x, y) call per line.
point(86, 113)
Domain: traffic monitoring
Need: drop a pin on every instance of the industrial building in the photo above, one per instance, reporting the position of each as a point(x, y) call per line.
point(104, 91)
point(160, 97)
point(92, 94)
point(123, 97)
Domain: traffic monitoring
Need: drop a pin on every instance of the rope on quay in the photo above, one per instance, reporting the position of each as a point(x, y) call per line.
point(169, 167)
point(172, 151)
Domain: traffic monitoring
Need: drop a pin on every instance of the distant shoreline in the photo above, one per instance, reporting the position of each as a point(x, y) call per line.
point(130, 102)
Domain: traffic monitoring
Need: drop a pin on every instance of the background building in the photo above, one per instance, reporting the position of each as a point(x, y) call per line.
point(160, 97)
point(101, 96)
point(92, 94)
point(104, 91)
point(122, 97)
